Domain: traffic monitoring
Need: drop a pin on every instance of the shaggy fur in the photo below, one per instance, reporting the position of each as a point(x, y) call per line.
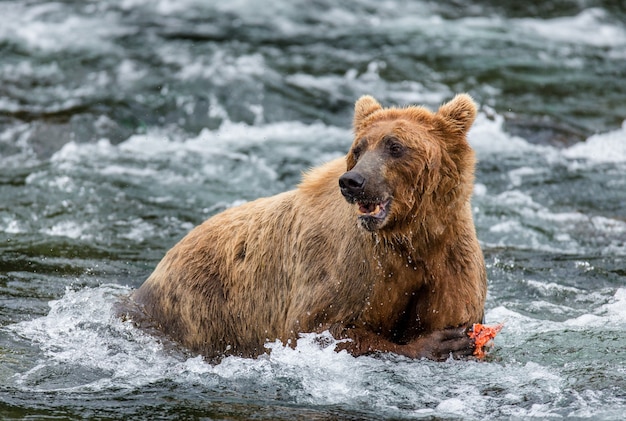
point(409, 279)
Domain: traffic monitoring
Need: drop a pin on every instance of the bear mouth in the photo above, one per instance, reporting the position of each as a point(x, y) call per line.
point(374, 210)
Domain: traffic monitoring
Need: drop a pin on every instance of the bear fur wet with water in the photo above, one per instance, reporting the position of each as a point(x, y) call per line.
point(378, 247)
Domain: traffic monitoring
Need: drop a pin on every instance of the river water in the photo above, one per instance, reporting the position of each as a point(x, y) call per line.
point(125, 123)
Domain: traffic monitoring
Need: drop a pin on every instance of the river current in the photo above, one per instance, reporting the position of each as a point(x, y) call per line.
point(125, 123)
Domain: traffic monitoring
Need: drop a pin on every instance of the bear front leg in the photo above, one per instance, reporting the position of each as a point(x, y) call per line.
point(438, 345)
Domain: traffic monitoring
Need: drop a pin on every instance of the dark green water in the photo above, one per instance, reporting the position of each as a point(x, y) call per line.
point(123, 124)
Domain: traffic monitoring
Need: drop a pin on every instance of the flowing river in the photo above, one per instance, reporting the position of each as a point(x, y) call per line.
point(124, 123)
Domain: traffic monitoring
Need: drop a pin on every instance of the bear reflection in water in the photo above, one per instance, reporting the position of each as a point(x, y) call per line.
point(378, 247)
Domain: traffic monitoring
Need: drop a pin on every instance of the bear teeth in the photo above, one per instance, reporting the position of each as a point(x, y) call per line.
point(370, 209)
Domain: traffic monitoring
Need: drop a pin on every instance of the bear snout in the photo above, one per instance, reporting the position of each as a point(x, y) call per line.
point(352, 185)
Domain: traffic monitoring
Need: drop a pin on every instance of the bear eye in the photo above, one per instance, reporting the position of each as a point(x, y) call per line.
point(395, 148)
point(356, 152)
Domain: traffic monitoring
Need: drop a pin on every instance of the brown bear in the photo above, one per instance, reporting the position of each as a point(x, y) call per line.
point(378, 247)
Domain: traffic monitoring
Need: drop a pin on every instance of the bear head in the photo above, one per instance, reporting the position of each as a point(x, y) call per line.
point(408, 163)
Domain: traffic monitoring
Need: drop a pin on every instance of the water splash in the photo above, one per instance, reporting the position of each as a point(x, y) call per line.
point(84, 348)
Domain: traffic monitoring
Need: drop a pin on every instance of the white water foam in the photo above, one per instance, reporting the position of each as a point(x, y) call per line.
point(293, 139)
point(342, 87)
point(80, 333)
point(488, 137)
point(49, 27)
point(517, 214)
point(160, 159)
point(607, 147)
point(509, 217)
point(591, 26)
point(11, 226)
point(69, 229)
point(85, 348)
point(561, 232)
point(291, 136)
point(610, 316)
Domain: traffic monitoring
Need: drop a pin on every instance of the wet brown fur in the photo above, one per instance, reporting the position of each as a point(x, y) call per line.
point(299, 261)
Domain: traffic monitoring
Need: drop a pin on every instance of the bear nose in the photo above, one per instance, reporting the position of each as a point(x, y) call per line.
point(351, 183)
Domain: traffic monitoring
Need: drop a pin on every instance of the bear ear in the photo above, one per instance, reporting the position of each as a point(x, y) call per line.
point(364, 107)
point(460, 112)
